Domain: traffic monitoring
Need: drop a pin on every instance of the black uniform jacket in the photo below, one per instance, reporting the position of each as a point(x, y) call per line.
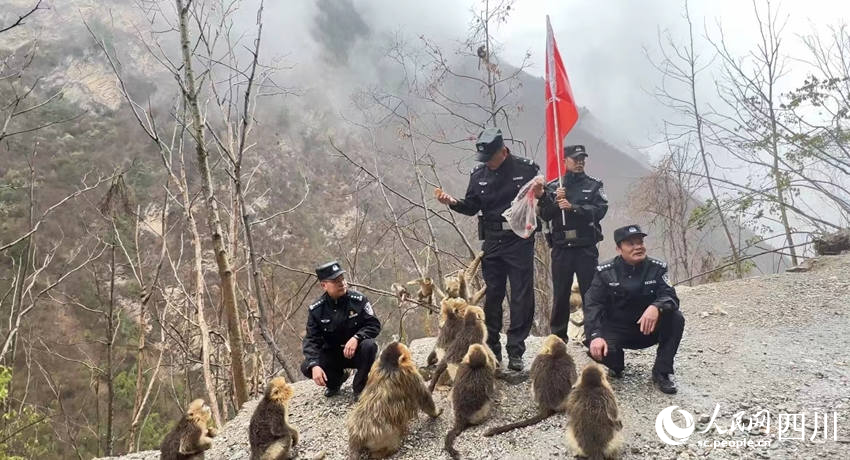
point(582, 221)
point(620, 293)
point(491, 191)
point(332, 323)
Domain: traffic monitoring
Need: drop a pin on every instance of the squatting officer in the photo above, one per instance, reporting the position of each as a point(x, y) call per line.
point(573, 213)
point(492, 186)
point(631, 305)
point(341, 331)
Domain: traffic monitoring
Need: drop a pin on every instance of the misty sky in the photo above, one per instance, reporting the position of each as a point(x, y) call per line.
point(601, 42)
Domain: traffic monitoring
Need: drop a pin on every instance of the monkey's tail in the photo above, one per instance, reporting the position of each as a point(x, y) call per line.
point(450, 439)
point(542, 415)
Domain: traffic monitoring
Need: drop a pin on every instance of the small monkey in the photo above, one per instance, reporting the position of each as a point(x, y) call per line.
point(472, 331)
point(393, 396)
point(473, 392)
point(192, 435)
point(594, 429)
point(269, 433)
point(553, 374)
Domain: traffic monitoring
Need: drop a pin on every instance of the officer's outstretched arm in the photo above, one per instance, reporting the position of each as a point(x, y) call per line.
point(471, 203)
point(595, 302)
point(666, 300)
point(312, 343)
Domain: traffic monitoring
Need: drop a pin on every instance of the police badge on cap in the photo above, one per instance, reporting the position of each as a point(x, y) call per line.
point(622, 233)
point(329, 271)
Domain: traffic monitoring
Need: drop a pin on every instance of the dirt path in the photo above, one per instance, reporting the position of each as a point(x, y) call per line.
point(778, 343)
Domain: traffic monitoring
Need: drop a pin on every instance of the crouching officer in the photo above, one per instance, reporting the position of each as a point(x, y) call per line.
point(341, 331)
point(573, 213)
point(631, 305)
point(492, 186)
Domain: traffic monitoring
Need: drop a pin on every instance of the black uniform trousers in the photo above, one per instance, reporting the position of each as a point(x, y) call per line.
point(667, 334)
point(334, 363)
point(508, 259)
point(567, 261)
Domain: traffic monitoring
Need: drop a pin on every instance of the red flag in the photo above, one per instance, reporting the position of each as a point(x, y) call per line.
point(561, 112)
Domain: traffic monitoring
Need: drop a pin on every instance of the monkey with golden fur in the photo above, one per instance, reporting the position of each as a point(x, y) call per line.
point(472, 331)
point(270, 434)
point(473, 392)
point(594, 429)
point(553, 374)
point(394, 394)
point(451, 321)
point(192, 435)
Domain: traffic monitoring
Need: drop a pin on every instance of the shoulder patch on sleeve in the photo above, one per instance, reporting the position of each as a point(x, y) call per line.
point(368, 308)
point(666, 278)
point(658, 262)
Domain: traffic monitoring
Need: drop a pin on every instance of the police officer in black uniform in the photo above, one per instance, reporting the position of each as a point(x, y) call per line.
point(492, 186)
point(631, 305)
point(572, 213)
point(341, 331)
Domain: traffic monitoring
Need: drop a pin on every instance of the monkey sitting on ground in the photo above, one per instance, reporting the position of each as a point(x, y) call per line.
point(553, 374)
point(394, 394)
point(270, 434)
point(191, 437)
point(451, 320)
point(472, 331)
point(473, 392)
point(594, 429)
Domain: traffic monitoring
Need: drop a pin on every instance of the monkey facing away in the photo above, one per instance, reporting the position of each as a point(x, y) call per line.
point(473, 392)
point(451, 321)
point(594, 429)
point(553, 374)
point(191, 437)
point(394, 394)
point(472, 331)
point(269, 433)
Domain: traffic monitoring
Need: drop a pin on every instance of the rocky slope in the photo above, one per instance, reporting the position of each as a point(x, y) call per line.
point(777, 342)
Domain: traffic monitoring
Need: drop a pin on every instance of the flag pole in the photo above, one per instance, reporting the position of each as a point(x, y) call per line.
point(550, 51)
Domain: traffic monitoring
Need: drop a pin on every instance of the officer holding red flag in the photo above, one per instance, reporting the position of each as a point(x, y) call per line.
point(573, 212)
point(492, 186)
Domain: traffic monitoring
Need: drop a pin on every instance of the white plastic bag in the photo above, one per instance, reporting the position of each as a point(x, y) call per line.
point(522, 215)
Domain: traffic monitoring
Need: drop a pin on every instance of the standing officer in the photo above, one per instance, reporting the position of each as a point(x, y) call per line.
point(631, 305)
point(492, 187)
point(573, 213)
point(341, 331)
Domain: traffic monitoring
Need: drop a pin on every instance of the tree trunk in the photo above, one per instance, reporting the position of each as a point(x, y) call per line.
point(228, 294)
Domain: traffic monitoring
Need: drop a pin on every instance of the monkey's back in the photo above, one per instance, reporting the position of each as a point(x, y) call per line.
point(594, 420)
point(170, 447)
point(552, 379)
point(266, 416)
point(473, 393)
point(385, 407)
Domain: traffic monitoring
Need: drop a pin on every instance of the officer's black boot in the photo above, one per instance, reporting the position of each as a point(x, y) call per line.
point(664, 382)
point(330, 392)
point(515, 363)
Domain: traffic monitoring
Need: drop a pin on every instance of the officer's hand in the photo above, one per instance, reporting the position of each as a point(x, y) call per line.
point(598, 348)
point(648, 320)
point(319, 376)
point(560, 193)
point(444, 197)
point(537, 187)
point(564, 204)
point(350, 347)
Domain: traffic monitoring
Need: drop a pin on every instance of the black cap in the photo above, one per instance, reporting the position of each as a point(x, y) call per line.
point(329, 271)
point(489, 142)
point(574, 151)
point(624, 232)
